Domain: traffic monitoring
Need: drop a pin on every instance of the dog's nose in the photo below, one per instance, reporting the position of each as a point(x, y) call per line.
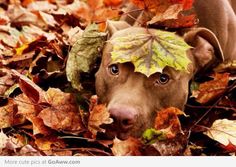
point(123, 117)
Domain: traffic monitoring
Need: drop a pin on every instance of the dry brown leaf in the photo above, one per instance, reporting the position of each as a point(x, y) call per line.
point(167, 120)
point(20, 15)
point(9, 36)
point(4, 19)
point(25, 106)
point(160, 6)
point(168, 12)
point(7, 115)
point(171, 12)
point(212, 89)
point(30, 111)
point(30, 89)
point(73, 34)
point(103, 10)
point(3, 140)
point(6, 80)
point(129, 147)
point(28, 150)
point(39, 126)
point(78, 9)
point(63, 114)
point(39, 6)
point(9, 143)
point(52, 146)
point(49, 143)
point(47, 19)
point(98, 115)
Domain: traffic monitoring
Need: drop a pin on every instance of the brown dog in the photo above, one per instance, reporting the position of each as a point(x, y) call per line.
point(133, 99)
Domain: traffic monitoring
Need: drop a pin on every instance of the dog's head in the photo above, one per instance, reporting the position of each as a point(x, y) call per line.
point(133, 98)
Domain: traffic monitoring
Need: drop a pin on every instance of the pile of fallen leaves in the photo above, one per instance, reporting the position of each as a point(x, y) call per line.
point(42, 114)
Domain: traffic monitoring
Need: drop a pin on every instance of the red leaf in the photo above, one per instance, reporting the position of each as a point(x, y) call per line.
point(187, 4)
point(30, 89)
point(230, 147)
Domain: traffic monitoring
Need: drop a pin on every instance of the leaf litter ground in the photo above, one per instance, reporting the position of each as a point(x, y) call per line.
point(41, 114)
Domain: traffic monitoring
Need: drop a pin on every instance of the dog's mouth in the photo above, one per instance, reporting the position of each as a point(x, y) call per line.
point(112, 131)
point(115, 131)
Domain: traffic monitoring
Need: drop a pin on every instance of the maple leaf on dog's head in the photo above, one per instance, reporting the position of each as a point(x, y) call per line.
point(151, 52)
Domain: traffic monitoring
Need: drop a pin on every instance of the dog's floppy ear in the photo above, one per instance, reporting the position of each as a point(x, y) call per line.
point(113, 26)
point(206, 49)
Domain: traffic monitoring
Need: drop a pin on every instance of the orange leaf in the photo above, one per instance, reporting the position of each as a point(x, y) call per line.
point(168, 121)
point(187, 4)
point(93, 5)
point(101, 11)
point(129, 147)
point(169, 11)
point(26, 2)
point(112, 2)
point(98, 116)
point(28, 110)
point(50, 142)
point(180, 22)
point(38, 126)
point(161, 5)
point(63, 114)
point(212, 89)
point(102, 14)
point(7, 115)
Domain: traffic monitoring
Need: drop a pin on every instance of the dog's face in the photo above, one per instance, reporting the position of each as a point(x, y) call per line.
point(133, 99)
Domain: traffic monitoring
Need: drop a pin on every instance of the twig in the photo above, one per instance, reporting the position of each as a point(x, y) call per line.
point(216, 107)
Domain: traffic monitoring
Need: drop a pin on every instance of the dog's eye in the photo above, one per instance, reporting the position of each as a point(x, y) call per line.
point(163, 79)
point(114, 69)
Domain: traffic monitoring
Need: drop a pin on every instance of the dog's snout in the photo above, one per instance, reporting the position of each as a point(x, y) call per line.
point(123, 117)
